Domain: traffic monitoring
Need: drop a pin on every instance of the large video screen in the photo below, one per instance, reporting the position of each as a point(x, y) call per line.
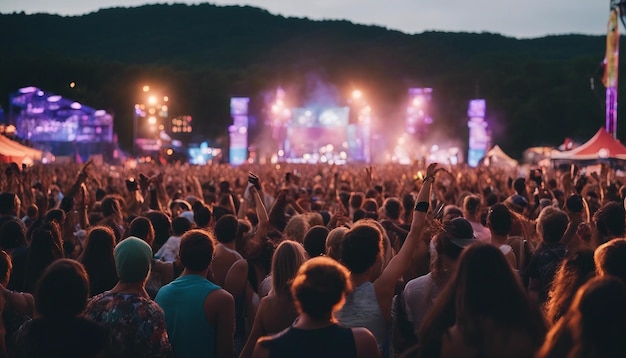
point(316, 141)
point(321, 117)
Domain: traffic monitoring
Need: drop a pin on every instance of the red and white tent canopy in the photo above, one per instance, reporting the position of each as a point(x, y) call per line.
point(601, 146)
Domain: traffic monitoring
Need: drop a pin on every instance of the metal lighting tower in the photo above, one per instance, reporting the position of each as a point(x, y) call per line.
point(611, 65)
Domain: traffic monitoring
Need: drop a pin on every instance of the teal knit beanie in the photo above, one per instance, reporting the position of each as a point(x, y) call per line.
point(133, 257)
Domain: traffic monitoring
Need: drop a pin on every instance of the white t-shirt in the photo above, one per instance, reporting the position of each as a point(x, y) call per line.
point(419, 296)
point(169, 250)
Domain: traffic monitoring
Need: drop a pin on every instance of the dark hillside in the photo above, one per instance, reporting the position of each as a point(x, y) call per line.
point(538, 90)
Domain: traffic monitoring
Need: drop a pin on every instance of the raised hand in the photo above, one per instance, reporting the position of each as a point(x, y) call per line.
point(432, 170)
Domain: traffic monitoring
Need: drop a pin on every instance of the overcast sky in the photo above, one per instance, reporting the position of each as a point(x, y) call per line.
point(518, 18)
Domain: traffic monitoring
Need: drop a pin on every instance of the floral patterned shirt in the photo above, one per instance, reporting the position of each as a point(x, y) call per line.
point(136, 324)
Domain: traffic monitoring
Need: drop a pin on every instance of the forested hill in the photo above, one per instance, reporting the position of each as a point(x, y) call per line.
point(538, 91)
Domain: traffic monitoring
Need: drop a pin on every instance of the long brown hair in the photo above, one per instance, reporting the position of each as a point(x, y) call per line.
point(98, 259)
point(571, 274)
point(483, 294)
point(594, 325)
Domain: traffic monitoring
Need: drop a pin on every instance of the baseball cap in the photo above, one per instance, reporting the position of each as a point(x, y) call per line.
point(461, 230)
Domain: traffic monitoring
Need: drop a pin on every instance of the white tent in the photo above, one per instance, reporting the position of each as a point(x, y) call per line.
point(12, 151)
point(497, 157)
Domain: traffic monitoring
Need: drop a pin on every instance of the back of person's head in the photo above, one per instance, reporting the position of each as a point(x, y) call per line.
point(12, 235)
point(393, 208)
point(471, 204)
point(46, 242)
point(371, 193)
point(219, 211)
point(32, 211)
point(288, 258)
point(7, 203)
point(98, 259)
point(325, 217)
point(6, 266)
point(141, 227)
point(111, 206)
point(356, 200)
point(161, 224)
point(320, 287)
point(224, 186)
point(196, 250)
point(574, 203)
point(609, 219)
point(370, 205)
point(202, 216)
point(551, 224)
point(451, 212)
point(314, 219)
point(133, 258)
point(598, 318)
point(610, 258)
point(100, 240)
point(180, 225)
point(361, 246)
point(62, 290)
point(333, 242)
point(516, 203)
point(499, 219)
point(492, 199)
point(455, 235)
point(296, 227)
point(315, 240)
point(359, 214)
point(520, 186)
point(575, 270)
point(486, 286)
point(226, 229)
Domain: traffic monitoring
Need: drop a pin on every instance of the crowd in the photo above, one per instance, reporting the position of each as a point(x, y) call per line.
point(311, 261)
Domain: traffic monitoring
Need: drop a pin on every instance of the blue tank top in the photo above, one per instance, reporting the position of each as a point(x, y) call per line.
point(189, 332)
point(328, 342)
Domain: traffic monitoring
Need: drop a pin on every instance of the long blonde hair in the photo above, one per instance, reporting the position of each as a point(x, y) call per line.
point(288, 258)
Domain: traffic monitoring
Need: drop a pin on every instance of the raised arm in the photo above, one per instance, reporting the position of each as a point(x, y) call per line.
point(400, 263)
point(277, 213)
point(261, 212)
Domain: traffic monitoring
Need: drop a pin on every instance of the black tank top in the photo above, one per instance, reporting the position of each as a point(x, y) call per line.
point(327, 342)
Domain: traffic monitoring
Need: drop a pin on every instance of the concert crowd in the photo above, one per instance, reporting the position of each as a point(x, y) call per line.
point(283, 260)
